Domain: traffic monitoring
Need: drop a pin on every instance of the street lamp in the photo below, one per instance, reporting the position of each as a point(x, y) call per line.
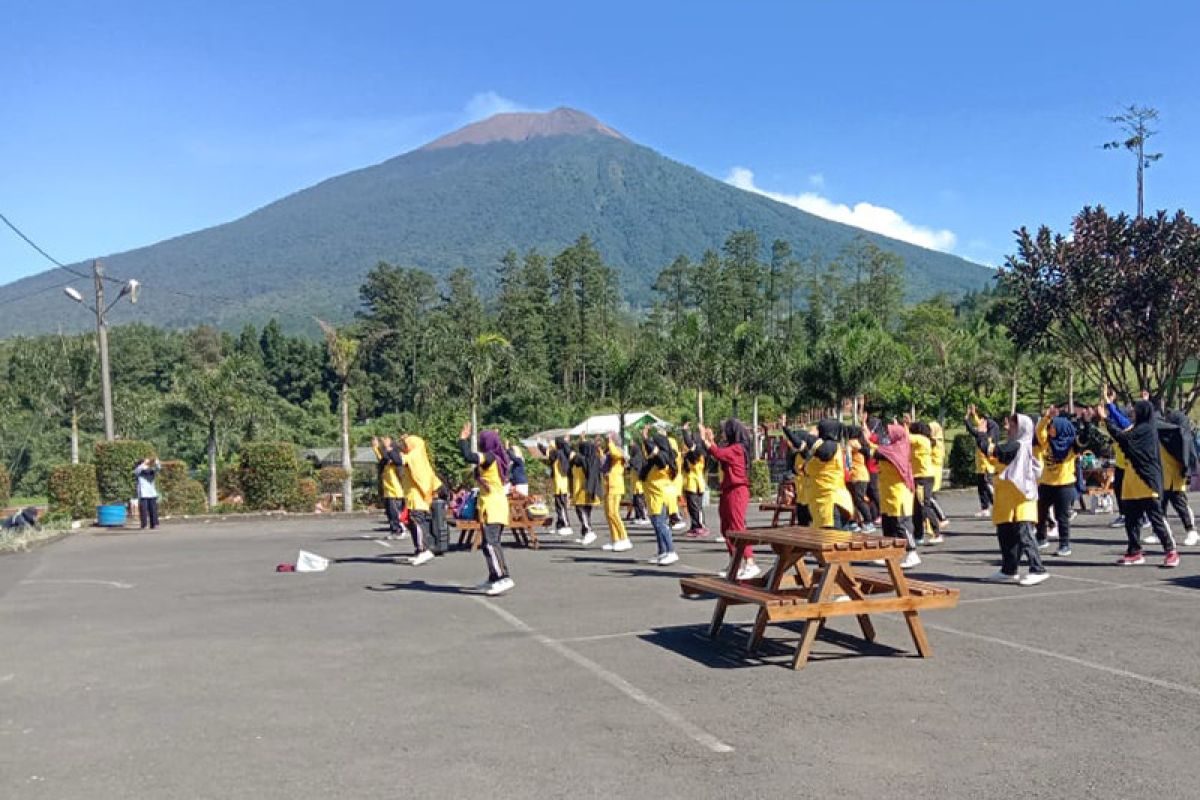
point(130, 289)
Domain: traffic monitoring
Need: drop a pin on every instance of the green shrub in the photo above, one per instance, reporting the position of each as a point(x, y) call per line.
point(268, 475)
point(304, 497)
point(760, 480)
point(962, 460)
point(5, 485)
point(72, 490)
point(229, 481)
point(187, 497)
point(331, 479)
point(114, 468)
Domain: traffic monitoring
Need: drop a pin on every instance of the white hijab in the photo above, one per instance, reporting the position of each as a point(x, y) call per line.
point(1024, 470)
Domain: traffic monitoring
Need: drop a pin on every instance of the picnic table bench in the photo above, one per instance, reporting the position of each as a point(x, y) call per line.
point(785, 503)
point(523, 525)
point(836, 588)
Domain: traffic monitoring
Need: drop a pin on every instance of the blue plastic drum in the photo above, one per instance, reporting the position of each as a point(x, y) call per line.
point(112, 516)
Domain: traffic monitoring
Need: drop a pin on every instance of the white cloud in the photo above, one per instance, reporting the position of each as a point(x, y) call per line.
point(867, 216)
point(817, 180)
point(485, 104)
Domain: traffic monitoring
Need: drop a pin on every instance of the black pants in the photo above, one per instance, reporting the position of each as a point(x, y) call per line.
point(695, 509)
point(858, 490)
point(1118, 482)
point(873, 494)
point(1179, 501)
point(1016, 539)
point(803, 515)
point(1152, 509)
point(1058, 498)
point(900, 528)
point(637, 508)
point(983, 486)
point(439, 530)
point(419, 525)
point(561, 520)
point(493, 554)
point(148, 511)
point(392, 506)
point(925, 512)
point(585, 519)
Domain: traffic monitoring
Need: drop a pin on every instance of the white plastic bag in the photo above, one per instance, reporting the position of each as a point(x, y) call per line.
point(310, 562)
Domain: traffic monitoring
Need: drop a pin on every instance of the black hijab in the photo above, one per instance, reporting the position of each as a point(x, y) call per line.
point(830, 432)
point(1140, 444)
point(589, 460)
point(562, 455)
point(735, 432)
point(668, 453)
point(636, 459)
point(1176, 436)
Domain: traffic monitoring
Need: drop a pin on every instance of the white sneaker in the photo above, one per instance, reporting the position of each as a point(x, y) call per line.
point(1192, 538)
point(500, 587)
point(654, 560)
point(1034, 578)
point(911, 559)
point(718, 539)
point(622, 546)
point(935, 539)
point(749, 572)
point(983, 513)
point(678, 526)
point(564, 531)
point(668, 559)
point(423, 557)
point(587, 539)
point(1000, 577)
point(868, 528)
point(1149, 537)
point(483, 587)
point(1043, 545)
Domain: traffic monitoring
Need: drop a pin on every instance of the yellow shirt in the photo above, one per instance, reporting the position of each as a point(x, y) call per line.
point(982, 465)
point(677, 484)
point(827, 489)
point(1010, 504)
point(799, 468)
point(658, 486)
point(938, 454)
point(418, 478)
point(390, 478)
point(561, 479)
point(493, 502)
point(920, 456)
point(1054, 473)
point(581, 496)
point(858, 464)
point(693, 478)
point(614, 482)
point(1134, 488)
point(1173, 478)
point(895, 499)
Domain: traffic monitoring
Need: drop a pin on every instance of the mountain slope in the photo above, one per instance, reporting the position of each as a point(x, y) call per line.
point(462, 200)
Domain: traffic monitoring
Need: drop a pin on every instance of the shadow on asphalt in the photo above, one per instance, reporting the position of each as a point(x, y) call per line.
point(419, 586)
point(1185, 581)
point(728, 651)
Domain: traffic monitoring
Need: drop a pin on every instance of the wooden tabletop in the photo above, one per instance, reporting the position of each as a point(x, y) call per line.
point(815, 539)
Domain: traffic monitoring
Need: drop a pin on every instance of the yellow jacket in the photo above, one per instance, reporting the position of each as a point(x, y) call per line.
point(1054, 473)
point(827, 488)
point(920, 455)
point(389, 478)
point(419, 480)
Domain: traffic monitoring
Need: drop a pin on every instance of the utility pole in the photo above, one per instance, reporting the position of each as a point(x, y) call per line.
point(102, 338)
point(128, 288)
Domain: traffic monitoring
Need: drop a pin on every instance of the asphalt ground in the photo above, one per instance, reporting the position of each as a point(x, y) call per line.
point(179, 664)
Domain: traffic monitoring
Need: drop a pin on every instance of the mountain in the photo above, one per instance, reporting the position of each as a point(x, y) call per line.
point(511, 181)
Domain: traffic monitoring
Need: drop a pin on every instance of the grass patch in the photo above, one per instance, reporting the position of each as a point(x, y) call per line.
point(18, 540)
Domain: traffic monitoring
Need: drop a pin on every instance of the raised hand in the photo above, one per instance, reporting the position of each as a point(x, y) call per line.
point(465, 433)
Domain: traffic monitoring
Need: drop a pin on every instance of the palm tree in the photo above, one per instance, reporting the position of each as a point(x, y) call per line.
point(480, 359)
point(343, 354)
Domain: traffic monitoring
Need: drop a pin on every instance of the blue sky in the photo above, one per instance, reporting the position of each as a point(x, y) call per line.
point(953, 122)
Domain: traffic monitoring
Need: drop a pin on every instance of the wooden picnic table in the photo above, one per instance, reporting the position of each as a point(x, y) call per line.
point(794, 592)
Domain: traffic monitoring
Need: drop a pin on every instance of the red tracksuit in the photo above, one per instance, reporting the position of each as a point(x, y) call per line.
point(735, 492)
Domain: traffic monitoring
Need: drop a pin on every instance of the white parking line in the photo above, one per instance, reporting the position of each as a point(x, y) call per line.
point(673, 717)
point(113, 584)
point(601, 636)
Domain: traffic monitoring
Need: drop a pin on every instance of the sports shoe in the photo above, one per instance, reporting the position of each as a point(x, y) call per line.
point(500, 587)
point(1043, 545)
point(587, 539)
point(622, 546)
point(1063, 551)
point(1132, 559)
point(1192, 538)
point(483, 587)
point(1034, 578)
point(911, 559)
point(937, 538)
point(869, 528)
point(423, 557)
point(678, 526)
point(668, 559)
point(944, 524)
point(696, 533)
point(1172, 560)
point(607, 546)
point(1149, 537)
point(1001, 577)
point(983, 513)
point(853, 527)
point(654, 560)
point(1119, 522)
point(718, 539)
point(1145, 522)
point(749, 572)
point(395, 537)
point(564, 531)
point(1074, 513)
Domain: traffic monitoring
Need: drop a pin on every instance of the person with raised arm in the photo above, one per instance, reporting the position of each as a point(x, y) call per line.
point(614, 490)
point(491, 473)
point(1057, 445)
point(587, 478)
point(658, 477)
point(734, 458)
point(694, 484)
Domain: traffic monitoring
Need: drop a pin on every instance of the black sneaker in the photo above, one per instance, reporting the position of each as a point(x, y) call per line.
point(1062, 551)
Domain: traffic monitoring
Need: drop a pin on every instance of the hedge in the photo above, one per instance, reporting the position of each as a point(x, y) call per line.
point(962, 460)
point(760, 480)
point(268, 475)
point(304, 496)
point(180, 494)
point(5, 485)
point(72, 490)
point(331, 479)
point(114, 468)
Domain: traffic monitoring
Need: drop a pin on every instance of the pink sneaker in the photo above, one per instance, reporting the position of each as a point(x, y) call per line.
point(1134, 559)
point(1172, 560)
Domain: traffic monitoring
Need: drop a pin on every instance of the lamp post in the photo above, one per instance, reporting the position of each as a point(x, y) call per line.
point(129, 288)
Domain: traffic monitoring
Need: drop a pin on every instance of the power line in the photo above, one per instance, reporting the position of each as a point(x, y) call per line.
point(34, 245)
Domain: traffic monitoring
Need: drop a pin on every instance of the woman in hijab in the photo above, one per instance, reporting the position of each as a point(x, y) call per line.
point(1142, 489)
point(614, 490)
point(491, 473)
point(420, 484)
point(799, 442)
point(694, 481)
point(860, 478)
point(937, 438)
point(637, 508)
point(1058, 448)
point(658, 477)
point(1179, 461)
point(896, 487)
point(518, 477)
point(925, 515)
point(587, 476)
point(676, 522)
point(983, 467)
point(558, 458)
point(828, 498)
point(734, 458)
point(1015, 508)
